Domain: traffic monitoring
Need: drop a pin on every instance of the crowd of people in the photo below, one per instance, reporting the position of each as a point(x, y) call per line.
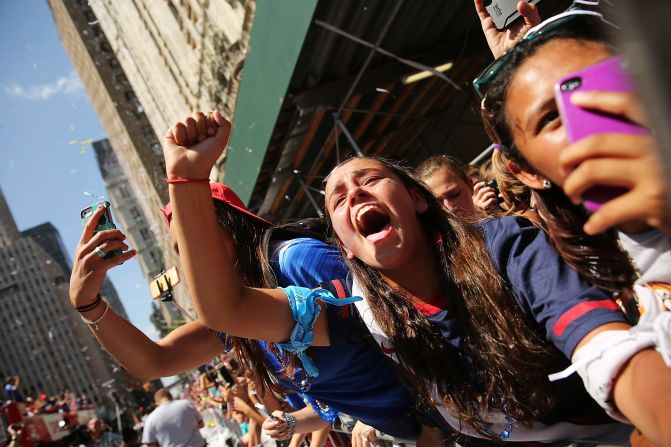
point(35, 403)
point(437, 304)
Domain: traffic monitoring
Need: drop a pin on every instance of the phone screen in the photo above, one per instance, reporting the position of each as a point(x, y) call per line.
point(104, 223)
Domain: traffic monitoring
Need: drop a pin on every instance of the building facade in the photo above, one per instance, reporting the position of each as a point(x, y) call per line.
point(129, 217)
point(42, 339)
point(130, 133)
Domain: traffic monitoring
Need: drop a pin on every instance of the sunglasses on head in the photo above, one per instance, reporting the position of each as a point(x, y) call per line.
point(544, 28)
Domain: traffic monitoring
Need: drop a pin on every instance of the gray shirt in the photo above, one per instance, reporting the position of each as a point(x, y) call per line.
point(173, 424)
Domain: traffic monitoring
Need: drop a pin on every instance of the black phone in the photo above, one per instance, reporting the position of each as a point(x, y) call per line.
point(104, 223)
point(504, 12)
point(223, 372)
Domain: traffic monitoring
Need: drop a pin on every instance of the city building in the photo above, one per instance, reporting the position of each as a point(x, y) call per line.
point(42, 339)
point(130, 218)
point(48, 237)
point(131, 135)
point(179, 56)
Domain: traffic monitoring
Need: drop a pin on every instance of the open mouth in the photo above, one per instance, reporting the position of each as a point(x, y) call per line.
point(371, 220)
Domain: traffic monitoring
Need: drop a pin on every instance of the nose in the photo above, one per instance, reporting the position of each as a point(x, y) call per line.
point(356, 194)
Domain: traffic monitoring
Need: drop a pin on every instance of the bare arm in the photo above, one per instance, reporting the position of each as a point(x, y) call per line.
point(220, 298)
point(184, 348)
point(642, 390)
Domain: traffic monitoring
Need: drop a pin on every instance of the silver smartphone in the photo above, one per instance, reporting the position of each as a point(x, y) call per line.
point(263, 410)
point(504, 12)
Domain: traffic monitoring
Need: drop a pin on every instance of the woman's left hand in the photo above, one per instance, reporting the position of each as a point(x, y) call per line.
point(620, 160)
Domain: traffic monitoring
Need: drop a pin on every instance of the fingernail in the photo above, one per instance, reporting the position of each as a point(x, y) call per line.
point(579, 97)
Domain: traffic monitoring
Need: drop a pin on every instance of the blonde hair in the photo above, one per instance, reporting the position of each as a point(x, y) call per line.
point(516, 194)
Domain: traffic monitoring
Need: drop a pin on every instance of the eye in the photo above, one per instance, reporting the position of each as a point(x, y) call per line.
point(369, 180)
point(453, 194)
point(549, 118)
point(338, 201)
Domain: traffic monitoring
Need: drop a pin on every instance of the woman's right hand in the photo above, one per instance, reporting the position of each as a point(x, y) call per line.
point(89, 269)
point(277, 428)
point(501, 42)
point(484, 197)
point(192, 146)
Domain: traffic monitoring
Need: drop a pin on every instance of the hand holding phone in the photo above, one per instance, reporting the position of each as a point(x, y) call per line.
point(264, 411)
point(504, 12)
point(608, 76)
point(104, 223)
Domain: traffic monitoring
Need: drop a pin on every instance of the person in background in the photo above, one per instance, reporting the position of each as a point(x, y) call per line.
point(100, 436)
point(12, 389)
point(172, 423)
point(446, 178)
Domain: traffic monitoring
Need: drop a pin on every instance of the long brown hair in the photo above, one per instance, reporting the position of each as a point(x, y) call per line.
point(597, 258)
point(504, 364)
point(253, 267)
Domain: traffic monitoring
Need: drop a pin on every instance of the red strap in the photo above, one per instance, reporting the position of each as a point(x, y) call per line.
point(340, 293)
point(172, 181)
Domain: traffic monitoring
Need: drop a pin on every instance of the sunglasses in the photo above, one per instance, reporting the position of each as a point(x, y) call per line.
point(546, 27)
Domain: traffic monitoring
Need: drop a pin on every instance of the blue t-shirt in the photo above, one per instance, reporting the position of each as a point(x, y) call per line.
point(306, 262)
point(354, 378)
point(560, 305)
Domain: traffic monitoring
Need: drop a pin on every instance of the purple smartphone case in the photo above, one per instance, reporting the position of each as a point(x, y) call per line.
point(611, 76)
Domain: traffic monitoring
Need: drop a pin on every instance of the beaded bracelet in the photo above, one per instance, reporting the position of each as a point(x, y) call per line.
point(99, 319)
point(90, 306)
point(291, 423)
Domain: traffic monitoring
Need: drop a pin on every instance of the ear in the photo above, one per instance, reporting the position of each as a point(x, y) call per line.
point(421, 205)
point(347, 251)
point(525, 174)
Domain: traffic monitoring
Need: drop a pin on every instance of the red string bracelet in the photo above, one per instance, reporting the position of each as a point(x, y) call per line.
point(172, 181)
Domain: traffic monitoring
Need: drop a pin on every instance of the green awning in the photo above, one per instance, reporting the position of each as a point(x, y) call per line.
point(275, 43)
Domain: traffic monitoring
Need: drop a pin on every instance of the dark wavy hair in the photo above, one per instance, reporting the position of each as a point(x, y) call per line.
point(504, 365)
point(597, 258)
point(255, 271)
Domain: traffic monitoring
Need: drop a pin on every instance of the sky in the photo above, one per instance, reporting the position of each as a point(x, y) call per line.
point(48, 170)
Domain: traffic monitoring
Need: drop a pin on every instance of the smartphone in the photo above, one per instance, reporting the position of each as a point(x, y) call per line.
point(263, 410)
point(611, 75)
point(104, 223)
point(504, 12)
point(223, 372)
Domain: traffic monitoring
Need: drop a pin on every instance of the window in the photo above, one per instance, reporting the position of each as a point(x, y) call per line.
point(148, 131)
point(105, 47)
point(146, 235)
point(135, 213)
point(130, 96)
point(113, 62)
point(121, 79)
point(97, 31)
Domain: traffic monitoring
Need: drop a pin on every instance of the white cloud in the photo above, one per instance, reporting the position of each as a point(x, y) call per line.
point(66, 85)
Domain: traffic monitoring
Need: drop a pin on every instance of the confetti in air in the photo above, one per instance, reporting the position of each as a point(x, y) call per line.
point(84, 144)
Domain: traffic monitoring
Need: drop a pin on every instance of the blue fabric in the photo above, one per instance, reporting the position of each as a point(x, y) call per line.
point(305, 309)
point(307, 262)
point(545, 287)
point(355, 377)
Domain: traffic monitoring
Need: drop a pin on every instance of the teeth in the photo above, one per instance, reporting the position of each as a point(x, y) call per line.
point(363, 210)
